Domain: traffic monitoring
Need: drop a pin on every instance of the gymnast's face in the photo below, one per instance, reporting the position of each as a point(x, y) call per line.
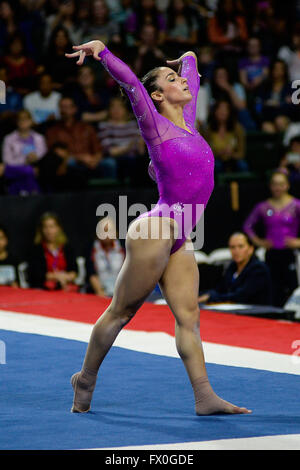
point(171, 88)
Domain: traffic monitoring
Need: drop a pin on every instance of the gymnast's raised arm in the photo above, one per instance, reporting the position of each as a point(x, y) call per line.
point(188, 69)
point(149, 120)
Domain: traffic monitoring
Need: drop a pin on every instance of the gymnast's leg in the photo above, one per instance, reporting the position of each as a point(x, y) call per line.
point(146, 260)
point(179, 284)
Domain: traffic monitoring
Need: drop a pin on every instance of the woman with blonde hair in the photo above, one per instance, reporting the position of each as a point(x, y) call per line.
point(52, 263)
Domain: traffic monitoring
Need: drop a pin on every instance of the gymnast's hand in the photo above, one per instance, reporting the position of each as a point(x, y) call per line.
point(179, 60)
point(89, 48)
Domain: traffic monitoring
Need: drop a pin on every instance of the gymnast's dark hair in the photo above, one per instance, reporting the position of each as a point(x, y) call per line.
point(149, 81)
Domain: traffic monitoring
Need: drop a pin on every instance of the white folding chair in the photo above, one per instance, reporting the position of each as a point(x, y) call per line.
point(22, 272)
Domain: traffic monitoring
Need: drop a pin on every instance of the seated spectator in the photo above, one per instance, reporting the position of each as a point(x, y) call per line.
point(65, 16)
point(100, 26)
point(121, 15)
point(276, 94)
point(22, 149)
point(274, 225)
point(226, 138)
point(56, 64)
point(148, 54)
point(291, 160)
point(246, 280)
point(8, 24)
point(206, 63)
point(291, 55)
point(182, 27)
point(146, 12)
point(254, 69)
point(82, 143)
point(54, 174)
point(270, 22)
point(21, 69)
point(120, 139)
point(91, 101)
point(8, 263)
point(227, 29)
point(52, 265)
point(222, 87)
point(104, 260)
point(9, 105)
point(43, 103)
point(291, 131)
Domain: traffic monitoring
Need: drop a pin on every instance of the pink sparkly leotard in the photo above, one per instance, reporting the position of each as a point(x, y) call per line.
point(182, 162)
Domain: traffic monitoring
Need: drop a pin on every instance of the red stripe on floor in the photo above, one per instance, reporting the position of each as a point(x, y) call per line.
point(221, 328)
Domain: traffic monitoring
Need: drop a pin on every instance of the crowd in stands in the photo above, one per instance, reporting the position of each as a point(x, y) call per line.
point(64, 126)
point(248, 56)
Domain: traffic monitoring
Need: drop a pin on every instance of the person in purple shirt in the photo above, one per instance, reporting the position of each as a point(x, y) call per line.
point(164, 103)
point(21, 149)
point(280, 218)
point(254, 68)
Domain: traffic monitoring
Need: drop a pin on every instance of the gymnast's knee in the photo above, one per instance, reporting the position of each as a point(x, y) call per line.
point(122, 314)
point(189, 319)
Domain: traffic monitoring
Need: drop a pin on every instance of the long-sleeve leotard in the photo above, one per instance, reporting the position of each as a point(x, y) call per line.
point(182, 160)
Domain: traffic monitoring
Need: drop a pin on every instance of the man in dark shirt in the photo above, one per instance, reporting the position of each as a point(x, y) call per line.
point(81, 140)
point(246, 280)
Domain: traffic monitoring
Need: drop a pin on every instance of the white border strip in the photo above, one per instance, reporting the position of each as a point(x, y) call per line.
point(281, 442)
point(158, 343)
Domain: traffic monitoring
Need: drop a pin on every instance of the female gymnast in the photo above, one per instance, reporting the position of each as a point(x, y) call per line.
point(182, 163)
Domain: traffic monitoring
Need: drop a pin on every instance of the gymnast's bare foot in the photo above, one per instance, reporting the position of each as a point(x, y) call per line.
point(83, 384)
point(207, 402)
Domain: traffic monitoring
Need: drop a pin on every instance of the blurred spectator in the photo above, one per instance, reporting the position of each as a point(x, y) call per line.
point(120, 139)
point(8, 263)
point(104, 260)
point(227, 29)
point(268, 23)
point(65, 17)
point(148, 55)
point(91, 100)
point(292, 130)
point(21, 150)
point(122, 14)
point(226, 138)
point(56, 64)
point(100, 26)
point(13, 103)
point(246, 280)
point(82, 143)
point(31, 25)
point(206, 63)
point(8, 24)
point(291, 160)
point(253, 69)
point(279, 219)
point(21, 69)
point(43, 103)
point(182, 27)
point(54, 174)
point(222, 87)
point(145, 12)
point(276, 94)
point(52, 264)
point(291, 55)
